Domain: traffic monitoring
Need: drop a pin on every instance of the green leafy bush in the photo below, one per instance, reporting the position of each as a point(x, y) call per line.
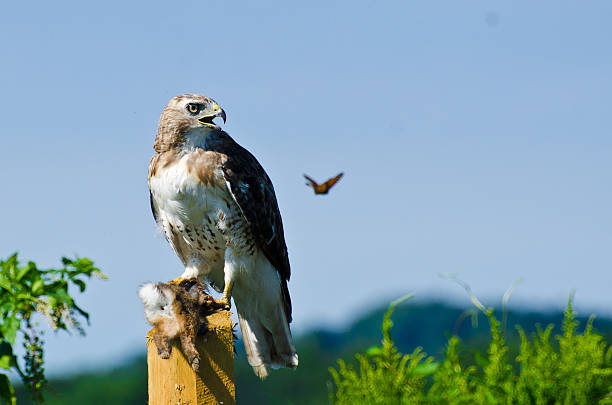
point(573, 368)
point(25, 290)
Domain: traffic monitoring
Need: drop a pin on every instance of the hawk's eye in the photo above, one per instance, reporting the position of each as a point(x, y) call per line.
point(193, 108)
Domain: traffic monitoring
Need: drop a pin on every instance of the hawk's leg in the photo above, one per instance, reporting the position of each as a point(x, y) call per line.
point(230, 271)
point(195, 269)
point(227, 294)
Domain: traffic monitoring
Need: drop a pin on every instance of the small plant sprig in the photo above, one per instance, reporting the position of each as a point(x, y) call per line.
point(25, 290)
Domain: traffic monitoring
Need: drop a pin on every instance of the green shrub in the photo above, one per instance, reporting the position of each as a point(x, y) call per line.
point(573, 368)
point(385, 376)
point(25, 290)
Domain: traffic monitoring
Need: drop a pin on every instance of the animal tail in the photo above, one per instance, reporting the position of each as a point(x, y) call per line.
point(267, 340)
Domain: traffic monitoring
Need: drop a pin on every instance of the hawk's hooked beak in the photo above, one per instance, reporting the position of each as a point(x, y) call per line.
point(221, 114)
point(208, 120)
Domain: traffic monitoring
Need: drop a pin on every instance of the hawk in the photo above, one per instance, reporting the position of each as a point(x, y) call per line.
point(217, 208)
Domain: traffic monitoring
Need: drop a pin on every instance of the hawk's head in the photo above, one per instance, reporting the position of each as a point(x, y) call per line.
point(194, 111)
point(186, 113)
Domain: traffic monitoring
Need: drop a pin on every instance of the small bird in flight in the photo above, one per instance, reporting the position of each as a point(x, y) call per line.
point(323, 188)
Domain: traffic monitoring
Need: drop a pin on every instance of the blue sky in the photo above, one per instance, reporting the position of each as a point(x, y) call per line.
point(475, 138)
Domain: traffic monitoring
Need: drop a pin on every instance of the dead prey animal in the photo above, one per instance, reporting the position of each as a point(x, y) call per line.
point(178, 310)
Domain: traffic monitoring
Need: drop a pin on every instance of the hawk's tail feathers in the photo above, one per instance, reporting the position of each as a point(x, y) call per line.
point(268, 347)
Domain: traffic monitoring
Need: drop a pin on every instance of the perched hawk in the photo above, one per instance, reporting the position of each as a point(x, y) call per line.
point(217, 207)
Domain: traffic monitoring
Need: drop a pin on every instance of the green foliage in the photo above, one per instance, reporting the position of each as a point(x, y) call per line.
point(572, 368)
point(420, 323)
point(26, 290)
point(579, 372)
point(385, 376)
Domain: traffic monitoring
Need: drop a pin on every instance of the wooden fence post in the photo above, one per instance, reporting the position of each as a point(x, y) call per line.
point(173, 382)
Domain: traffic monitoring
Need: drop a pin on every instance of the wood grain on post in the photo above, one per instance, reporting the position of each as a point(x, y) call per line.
point(173, 382)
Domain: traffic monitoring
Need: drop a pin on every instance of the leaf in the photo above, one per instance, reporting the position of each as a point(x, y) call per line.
point(54, 286)
point(5, 308)
point(82, 312)
point(9, 266)
point(5, 283)
point(80, 283)
point(25, 297)
point(51, 300)
point(9, 328)
point(62, 295)
point(424, 369)
point(7, 392)
point(6, 355)
point(38, 287)
point(24, 270)
point(374, 351)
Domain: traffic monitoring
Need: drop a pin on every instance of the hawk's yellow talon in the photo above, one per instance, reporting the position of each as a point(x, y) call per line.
point(177, 280)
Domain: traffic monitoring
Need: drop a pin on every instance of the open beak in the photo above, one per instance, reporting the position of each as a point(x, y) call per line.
point(208, 120)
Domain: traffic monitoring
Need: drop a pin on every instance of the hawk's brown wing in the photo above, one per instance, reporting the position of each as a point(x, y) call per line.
point(171, 236)
point(253, 191)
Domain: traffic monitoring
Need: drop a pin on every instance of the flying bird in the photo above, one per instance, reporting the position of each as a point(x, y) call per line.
point(324, 187)
point(217, 208)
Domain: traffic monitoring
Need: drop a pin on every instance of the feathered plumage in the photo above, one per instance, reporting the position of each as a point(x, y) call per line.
point(218, 210)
